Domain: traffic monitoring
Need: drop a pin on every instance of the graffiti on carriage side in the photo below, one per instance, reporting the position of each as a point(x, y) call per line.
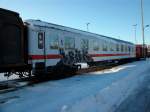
point(75, 56)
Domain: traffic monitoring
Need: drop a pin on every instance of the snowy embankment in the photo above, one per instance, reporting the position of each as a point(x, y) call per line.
point(93, 92)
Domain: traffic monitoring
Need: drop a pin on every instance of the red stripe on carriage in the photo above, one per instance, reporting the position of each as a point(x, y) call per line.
point(103, 55)
point(53, 56)
point(36, 57)
point(58, 56)
point(50, 56)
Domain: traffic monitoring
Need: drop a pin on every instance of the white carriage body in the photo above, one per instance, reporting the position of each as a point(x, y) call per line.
point(49, 42)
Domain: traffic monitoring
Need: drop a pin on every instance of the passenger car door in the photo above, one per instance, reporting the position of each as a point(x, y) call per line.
point(41, 45)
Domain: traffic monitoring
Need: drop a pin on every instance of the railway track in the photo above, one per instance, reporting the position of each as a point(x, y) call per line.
point(12, 85)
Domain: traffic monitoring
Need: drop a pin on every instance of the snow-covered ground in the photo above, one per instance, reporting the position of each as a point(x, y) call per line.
point(138, 100)
point(3, 78)
point(93, 92)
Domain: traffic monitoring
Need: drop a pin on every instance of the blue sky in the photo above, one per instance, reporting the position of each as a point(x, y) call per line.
point(113, 18)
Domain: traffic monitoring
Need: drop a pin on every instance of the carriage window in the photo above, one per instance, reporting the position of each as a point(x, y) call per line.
point(104, 46)
point(132, 50)
point(129, 48)
point(121, 48)
point(126, 48)
point(111, 47)
point(95, 45)
point(40, 40)
point(54, 42)
point(117, 47)
point(85, 44)
point(69, 43)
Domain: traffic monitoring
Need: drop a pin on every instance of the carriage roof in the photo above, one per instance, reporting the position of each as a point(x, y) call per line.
point(40, 23)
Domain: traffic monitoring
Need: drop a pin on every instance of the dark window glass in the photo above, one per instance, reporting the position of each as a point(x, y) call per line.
point(40, 40)
point(111, 46)
point(126, 48)
point(122, 48)
point(117, 47)
point(105, 48)
point(129, 49)
point(95, 45)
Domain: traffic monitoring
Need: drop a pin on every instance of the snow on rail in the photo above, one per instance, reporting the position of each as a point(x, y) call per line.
point(93, 92)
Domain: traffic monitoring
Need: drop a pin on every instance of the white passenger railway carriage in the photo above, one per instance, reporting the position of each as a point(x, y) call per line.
point(52, 44)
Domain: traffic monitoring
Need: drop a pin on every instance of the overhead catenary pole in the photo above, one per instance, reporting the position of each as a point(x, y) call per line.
point(142, 20)
point(87, 26)
point(135, 33)
point(144, 31)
